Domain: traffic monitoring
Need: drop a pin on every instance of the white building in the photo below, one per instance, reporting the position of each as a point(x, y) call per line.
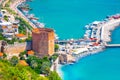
point(9, 30)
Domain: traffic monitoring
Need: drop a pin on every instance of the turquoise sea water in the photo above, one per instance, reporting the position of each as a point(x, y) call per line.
point(102, 66)
point(68, 18)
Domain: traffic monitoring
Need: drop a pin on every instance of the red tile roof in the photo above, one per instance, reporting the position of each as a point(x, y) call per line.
point(95, 44)
point(1, 54)
point(4, 27)
point(20, 35)
point(31, 52)
point(23, 62)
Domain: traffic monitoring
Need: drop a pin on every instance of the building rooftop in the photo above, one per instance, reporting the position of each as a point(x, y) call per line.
point(20, 35)
point(38, 30)
point(5, 23)
point(4, 27)
point(23, 62)
point(1, 54)
point(95, 44)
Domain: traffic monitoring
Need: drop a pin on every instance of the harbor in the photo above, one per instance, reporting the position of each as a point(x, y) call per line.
point(73, 57)
point(95, 39)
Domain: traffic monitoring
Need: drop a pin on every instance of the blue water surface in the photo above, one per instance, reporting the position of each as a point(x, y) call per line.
point(102, 66)
point(68, 18)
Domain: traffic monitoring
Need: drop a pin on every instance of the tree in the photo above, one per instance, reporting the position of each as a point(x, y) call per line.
point(54, 57)
point(34, 64)
point(14, 60)
point(4, 55)
point(6, 18)
point(18, 72)
point(22, 54)
point(45, 68)
point(56, 47)
point(1, 36)
point(45, 59)
point(54, 76)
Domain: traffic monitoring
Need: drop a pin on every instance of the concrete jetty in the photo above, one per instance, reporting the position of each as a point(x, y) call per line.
point(107, 28)
point(113, 46)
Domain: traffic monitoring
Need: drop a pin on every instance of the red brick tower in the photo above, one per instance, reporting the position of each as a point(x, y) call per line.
point(43, 41)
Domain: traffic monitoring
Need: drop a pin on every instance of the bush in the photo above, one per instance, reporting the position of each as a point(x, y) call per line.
point(54, 76)
point(24, 23)
point(56, 47)
point(18, 72)
point(39, 65)
point(14, 60)
point(6, 18)
point(54, 57)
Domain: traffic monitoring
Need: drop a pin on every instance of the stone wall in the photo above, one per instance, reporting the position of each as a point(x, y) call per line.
point(16, 48)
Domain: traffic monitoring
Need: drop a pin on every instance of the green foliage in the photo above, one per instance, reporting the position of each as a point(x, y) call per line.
point(4, 55)
point(1, 36)
point(11, 41)
point(22, 54)
point(22, 28)
point(6, 18)
point(54, 76)
point(7, 4)
point(18, 72)
point(8, 41)
point(21, 41)
point(56, 47)
point(10, 10)
point(35, 63)
point(54, 57)
point(45, 68)
point(23, 23)
point(39, 65)
point(29, 38)
point(14, 60)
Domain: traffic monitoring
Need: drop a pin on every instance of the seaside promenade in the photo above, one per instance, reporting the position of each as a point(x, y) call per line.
point(14, 7)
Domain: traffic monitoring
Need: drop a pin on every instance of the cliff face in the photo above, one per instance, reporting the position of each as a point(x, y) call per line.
point(66, 58)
